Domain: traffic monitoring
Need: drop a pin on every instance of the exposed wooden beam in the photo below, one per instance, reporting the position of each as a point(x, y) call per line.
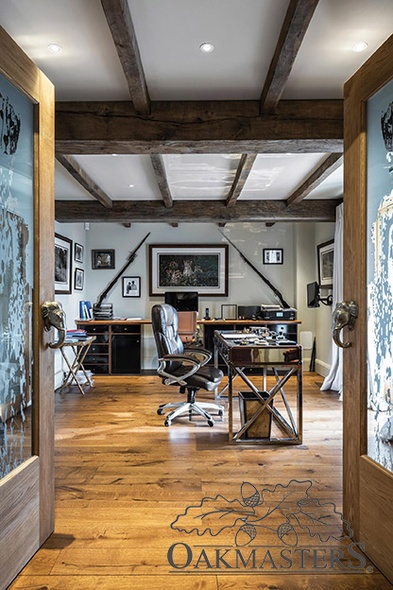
point(119, 19)
point(297, 20)
point(72, 166)
point(192, 211)
point(242, 172)
point(159, 170)
point(332, 162)
point(204, 127)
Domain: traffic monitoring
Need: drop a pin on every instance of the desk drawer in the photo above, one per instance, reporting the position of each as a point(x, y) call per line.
point(126, 329)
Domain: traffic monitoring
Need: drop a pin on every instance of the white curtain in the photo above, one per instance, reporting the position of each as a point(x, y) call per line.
point(335, 378)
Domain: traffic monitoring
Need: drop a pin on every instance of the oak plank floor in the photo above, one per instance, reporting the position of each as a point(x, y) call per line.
point(122, 478)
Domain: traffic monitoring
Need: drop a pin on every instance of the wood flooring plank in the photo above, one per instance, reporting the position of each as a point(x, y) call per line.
point(122, 479)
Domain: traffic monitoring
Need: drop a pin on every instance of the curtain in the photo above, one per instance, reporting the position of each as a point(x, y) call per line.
point(334, 380)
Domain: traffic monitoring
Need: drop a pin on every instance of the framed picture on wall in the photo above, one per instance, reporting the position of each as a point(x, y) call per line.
point(102, 259)
point(325, 264)
point(202, 268)
point(78, 252)
point(273, 256)
point(79, 279)
point(63, 265)
point(131, 286)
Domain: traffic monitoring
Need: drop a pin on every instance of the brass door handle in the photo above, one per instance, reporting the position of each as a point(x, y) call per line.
point(344, 315)
point(54, 316)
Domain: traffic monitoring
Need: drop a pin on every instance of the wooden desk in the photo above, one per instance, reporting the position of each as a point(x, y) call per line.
point(241, 352)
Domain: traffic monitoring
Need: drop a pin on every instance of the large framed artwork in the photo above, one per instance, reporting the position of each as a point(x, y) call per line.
point(63, 265)
point(202, 268)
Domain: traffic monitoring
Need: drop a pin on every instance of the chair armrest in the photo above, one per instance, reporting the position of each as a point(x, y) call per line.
point(170, 378)
point(205, 355)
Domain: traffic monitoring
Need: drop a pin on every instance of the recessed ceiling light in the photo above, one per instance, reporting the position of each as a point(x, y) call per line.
point(131, 185)
point(206, 47)
point(361, 46)
point(55, 48)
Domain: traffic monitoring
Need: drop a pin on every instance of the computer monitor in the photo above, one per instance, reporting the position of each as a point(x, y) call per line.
point(313, 295)
point(182, 300)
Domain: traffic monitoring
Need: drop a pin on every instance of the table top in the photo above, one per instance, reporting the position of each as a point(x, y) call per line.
point(238, 339)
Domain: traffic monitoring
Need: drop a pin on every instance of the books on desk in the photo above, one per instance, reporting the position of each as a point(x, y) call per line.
point(85, 310)
point(76, 335)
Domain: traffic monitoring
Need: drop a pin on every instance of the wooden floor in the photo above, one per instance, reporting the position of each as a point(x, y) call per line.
point(122, 478)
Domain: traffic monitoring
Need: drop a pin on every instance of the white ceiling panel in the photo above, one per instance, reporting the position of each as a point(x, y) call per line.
point(276, 176)
point(200, 176)
point(170, 32)
point(88, 68)
point(326, 59)
point(114, 174)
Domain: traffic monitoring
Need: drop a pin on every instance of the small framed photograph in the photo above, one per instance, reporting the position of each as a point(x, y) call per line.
point(273, 256)
point(102, 259)
point(325, 264)
point(131, 286)
point(63, 265)
point(79, 279)
point(78, 252)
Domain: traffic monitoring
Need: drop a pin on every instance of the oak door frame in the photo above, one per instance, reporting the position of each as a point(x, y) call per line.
point(34, 479)
point(362, 477)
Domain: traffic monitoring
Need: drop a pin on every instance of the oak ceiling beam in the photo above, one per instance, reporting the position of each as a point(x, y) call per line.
point(221, 127)
point(245, 165)
point(329, 165)
point(159, 169)
point(297, 20)
point(192, 211)
point(119, 20)
point(72, 166)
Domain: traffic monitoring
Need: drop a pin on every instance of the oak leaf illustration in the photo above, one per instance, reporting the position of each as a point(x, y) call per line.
point(212, 516)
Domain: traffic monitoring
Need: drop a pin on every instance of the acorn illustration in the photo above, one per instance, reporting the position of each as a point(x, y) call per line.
point(287, 534)
point(245, 535)
point(250, 494)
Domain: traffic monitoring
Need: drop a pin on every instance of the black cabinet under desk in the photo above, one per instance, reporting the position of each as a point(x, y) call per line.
point(117, 349)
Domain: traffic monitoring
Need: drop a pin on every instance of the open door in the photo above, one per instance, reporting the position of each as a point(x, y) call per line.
point(368, 281)
point(26, 281)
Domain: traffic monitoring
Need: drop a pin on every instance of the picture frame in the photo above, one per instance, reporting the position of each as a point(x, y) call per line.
point(79, 277)
point(131, 286)
point(78, 253)
point(325, 264)
point(273, 256)
point(202, 268)
point(102, 259)
point(63, 265)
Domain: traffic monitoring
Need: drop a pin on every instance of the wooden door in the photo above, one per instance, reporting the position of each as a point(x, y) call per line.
point(368, 280)
point(26, 281)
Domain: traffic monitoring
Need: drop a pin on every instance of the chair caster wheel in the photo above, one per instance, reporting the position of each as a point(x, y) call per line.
point(160, 411)
point(221, 413)
point(210, 422)
point(167, 423)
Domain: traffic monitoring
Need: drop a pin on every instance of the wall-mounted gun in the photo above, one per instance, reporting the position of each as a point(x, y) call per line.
point(254, 268)
point(130, 259)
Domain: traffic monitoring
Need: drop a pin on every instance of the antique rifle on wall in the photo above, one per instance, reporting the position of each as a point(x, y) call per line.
point(130, 259)
point(254, 268)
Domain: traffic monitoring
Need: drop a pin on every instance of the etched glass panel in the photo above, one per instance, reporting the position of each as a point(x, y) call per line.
point(380, 275)
point(16, 275)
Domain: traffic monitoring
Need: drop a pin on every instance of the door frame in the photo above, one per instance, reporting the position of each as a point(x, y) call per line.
point(367, 487)
point(27, 493)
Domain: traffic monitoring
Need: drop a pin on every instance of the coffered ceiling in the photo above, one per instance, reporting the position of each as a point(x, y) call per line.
point(150, 128)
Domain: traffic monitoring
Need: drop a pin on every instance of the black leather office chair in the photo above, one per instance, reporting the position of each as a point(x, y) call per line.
point(184, 368)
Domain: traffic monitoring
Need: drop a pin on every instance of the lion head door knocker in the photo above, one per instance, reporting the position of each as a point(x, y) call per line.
point(54, 316)
point(344, 315)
